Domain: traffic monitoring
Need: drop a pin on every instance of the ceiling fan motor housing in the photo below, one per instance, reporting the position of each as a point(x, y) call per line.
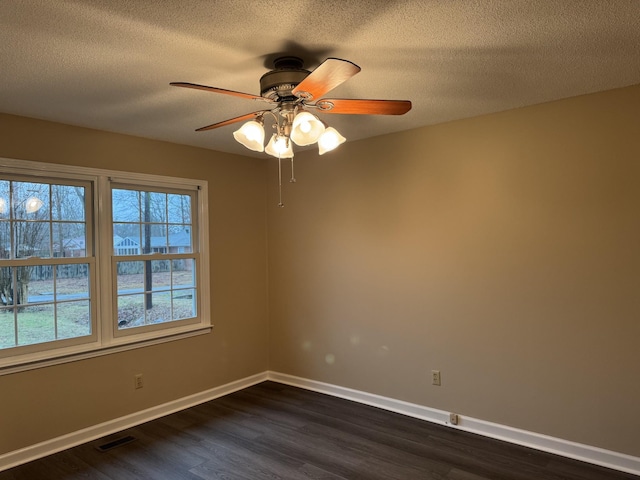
point(287, 74)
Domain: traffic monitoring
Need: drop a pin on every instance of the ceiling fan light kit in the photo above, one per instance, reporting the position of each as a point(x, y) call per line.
point(289, 90)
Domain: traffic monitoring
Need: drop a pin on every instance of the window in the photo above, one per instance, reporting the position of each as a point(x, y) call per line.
point(93, 260)
point(45, 271)
point(155, 283)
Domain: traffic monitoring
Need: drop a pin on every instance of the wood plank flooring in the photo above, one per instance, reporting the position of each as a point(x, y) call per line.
point(273, 431)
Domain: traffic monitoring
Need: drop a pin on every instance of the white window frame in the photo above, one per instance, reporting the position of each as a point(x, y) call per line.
point(105, 337)
point(138, 257)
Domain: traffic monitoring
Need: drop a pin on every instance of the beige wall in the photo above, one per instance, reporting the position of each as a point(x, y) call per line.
point(503, 251)
point(48, 402)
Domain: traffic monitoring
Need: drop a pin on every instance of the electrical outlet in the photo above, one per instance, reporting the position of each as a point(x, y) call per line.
point(453, 418)
point(435, 377)
point(137, 381)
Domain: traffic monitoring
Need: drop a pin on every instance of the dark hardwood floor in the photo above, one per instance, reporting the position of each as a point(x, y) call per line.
point(273, 431)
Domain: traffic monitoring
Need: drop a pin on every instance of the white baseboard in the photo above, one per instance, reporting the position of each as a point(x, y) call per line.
point(545, 443)
point(565, 448)
point(39, 450)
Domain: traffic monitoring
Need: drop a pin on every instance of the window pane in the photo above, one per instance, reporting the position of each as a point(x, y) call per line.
point(6, 286)
point(5, 239)
point(184, 304)
point(14, 285)
point(126, 239)
point(67, 203)
point(40, 283)
point(36, 324)
point(130, 311)
point(30, 200)
point(21, 285)
point(72, 282)
point(157, 238)
point(183, 273)
point(31, 239)
point(157, 207)
point(7, 328)
point(179, 207)
point(161, 275)
point(4, 199)
point(180, 241)
point(125, 205)
point(72, 238)
point(74, 319)
point(130, 277)
point(160, 311)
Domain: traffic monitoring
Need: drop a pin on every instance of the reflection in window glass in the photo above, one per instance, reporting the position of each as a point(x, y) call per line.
point(42, 220)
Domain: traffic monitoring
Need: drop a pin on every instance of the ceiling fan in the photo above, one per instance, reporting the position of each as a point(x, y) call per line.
point(289, 92)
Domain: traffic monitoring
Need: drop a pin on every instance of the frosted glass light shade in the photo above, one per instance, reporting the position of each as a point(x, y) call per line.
point(329, 140)
point(306, 129)
point(279, 147)
point(251, 135)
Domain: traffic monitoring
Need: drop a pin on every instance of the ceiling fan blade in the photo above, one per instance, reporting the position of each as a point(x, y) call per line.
point(220, 90)
point(331, 73)
point(363, 107)
point(241, 118)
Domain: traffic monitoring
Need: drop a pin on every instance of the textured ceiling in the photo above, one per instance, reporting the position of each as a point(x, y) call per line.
point(107, 64)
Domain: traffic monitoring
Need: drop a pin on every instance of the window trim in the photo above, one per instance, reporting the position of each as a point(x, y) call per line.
point(106, 342)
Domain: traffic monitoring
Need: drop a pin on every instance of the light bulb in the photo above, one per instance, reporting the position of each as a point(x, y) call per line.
point(305, 127)
point(330, 141)
point(279, 146)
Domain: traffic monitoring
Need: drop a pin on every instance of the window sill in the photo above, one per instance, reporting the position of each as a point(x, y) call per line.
point(84, 352)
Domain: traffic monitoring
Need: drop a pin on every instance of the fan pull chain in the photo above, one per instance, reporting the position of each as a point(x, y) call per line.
point(280, 204)
point(293, 178)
